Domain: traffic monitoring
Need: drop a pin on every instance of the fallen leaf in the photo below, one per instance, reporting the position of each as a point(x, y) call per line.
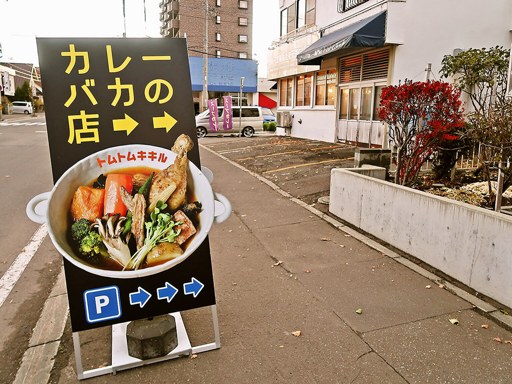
point(325, 239)
point(348, 236)
point(193, 356)
point(307, 271)
point(441, 286)
point(508, 341)
point(277, 263)
point(454, 321)
point(296, 333)
point(342, 246)
point(428, 286)
point(497, 339)
point(485, 326)
point(359, 311)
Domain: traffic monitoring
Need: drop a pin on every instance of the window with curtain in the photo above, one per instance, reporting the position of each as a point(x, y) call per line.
point(376, 102)
point(353, 110)
point(325, 87)
point(285, 92)
point(299, 98)
point(307, 89)
point(344, 103)
point(366, 103)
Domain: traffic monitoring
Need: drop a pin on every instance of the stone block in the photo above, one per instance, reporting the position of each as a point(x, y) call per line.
point(152, 337)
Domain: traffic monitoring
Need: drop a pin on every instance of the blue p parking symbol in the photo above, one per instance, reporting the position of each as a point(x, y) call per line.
point(102, 304)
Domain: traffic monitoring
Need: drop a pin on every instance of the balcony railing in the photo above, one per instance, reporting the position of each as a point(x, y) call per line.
point(345, 5)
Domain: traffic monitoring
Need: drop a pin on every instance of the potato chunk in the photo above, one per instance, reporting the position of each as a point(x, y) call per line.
point(87, 203)
point(162, 253)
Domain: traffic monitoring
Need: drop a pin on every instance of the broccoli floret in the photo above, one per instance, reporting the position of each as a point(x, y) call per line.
point(92, 245)
point(80, 229)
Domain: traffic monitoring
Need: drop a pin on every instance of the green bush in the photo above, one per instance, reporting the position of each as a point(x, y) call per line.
point(271, 126)
point(265, 126)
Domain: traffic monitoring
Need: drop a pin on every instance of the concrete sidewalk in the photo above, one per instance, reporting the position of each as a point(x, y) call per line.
point(301, 301)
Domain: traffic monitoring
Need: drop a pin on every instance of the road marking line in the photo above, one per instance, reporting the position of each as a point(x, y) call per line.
point(14, 272)
point(303, 165)
point(273, 154)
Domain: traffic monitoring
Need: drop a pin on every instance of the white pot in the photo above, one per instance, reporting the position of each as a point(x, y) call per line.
point(215, 207)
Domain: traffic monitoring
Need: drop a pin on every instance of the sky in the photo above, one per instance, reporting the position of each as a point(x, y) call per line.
point(22, 20)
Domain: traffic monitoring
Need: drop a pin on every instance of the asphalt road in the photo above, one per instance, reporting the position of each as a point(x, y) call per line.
point(28, 262)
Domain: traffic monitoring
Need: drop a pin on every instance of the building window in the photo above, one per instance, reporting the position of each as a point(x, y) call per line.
point(376, 101)
point(360, 102)
point(217, 3)
point(242, 55)
point(285, 92)
point(310, 11)
point(243, 21)
point(299, 14)
point(291, 21)
point(242, 38)
point(345, 5)
point(242, 4)
point(217, 36)
point(325, 87)
point(217, 19)
point(303, 94)
point(217, 53)
point(369, 66)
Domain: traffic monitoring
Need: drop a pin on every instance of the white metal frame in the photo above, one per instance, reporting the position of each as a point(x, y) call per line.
point(122, 361)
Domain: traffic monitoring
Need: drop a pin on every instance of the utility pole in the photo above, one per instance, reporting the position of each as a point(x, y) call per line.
point(205, 56)
point(428, 70)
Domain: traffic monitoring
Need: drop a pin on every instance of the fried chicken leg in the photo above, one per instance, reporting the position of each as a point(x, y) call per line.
point(171, 183)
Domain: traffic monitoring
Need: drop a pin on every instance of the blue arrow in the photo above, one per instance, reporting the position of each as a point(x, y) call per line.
point(168, 292)
point(140, 297)
point(193, 288)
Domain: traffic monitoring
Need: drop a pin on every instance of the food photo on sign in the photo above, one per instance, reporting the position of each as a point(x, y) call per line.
point(131, 211)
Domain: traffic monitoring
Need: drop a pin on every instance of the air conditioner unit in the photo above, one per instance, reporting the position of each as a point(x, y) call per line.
point(284, 119)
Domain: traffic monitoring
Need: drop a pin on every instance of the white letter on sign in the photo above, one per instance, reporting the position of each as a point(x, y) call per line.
point(101, 301)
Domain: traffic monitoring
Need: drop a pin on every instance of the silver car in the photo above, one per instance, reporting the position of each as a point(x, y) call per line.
point(249, 123)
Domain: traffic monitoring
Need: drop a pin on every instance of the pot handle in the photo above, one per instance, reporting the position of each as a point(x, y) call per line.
point(207, 172)
point(223, 215)
point(32, 210)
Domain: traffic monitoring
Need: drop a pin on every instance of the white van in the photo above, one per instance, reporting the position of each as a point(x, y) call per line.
point(22, 107)
point(252, 121)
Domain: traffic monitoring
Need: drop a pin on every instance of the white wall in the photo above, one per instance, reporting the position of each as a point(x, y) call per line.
point(317, 124)
point(470, 244)
point(434, 28)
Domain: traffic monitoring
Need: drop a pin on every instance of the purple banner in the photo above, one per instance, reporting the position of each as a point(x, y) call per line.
point(228, 113)
point(214, 114)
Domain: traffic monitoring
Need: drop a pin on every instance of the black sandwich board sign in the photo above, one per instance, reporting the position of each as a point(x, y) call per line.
point(101, 93)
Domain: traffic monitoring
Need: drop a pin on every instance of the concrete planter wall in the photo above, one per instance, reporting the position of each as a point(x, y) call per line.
point(471, 244)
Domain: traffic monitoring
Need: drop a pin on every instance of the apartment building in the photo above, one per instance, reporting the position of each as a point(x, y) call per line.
point(219, 40)
point(333, 57)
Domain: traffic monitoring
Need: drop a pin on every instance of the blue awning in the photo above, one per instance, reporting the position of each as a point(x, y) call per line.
point(369, 32)
point(224, 74)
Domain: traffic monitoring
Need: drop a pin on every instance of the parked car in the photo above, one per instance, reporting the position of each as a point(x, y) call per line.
point(268, 115)
point(251, 121)
point(22, 107)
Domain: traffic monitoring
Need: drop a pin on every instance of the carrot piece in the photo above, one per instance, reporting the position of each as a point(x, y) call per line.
point(113, 203)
